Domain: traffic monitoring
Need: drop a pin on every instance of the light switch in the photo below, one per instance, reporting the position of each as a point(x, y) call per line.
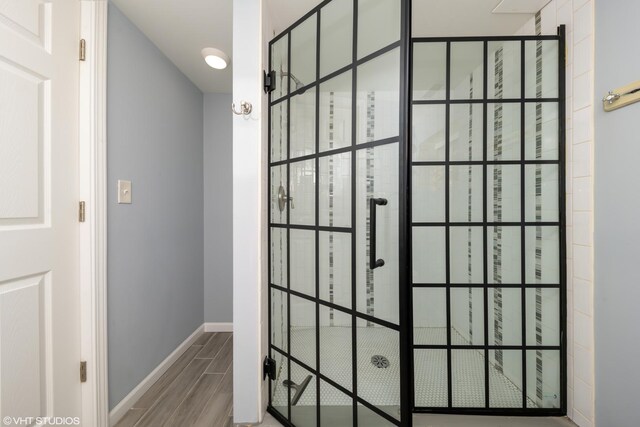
point(124, 192)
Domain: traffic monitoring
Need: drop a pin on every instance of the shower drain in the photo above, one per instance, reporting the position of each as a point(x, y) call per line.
point(380, 361)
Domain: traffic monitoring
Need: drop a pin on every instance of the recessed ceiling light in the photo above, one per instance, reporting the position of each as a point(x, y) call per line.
point(215, 58)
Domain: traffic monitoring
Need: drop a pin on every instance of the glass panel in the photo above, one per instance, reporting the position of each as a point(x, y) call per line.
point(429, 260)
point(465, 137)
point(303, 124)
point(429, 71)
point(279, 145)
point(505, 378)
point(505, 316)
point(377, 177)
point(335, 112)
point(279, 325)
point(541, 69)
point(466, 254)
point(279, 256)
point(303, 258)
point(367, 417)
point(543, 379)
point(504, 69)
point(503, 250)
point(336, 408)
point(541, 131)
point(503, 131)
point(467, 75)
point(467, 316)
point(428, 127)
point(378, 25)
point(278, 180)
point(302, 389)
point(303, 330)
point(430, 371)
point(335, 190)
point(303, 192)
point(428, 201)
point(378, 98)
point(541, 198)
point(542, 255)
point(335, 268)
point(303, 53)
point(336, 35)
point(468, 380)
point(379, 366)
point(503, 193)
point(336, 345)
point(430, 316)
point(280, 63)
point(543, 316)
point(465, 193)
point(279, 395)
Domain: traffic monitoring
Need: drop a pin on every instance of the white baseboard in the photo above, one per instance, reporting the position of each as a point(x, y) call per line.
point(125, 404)
point(218, 327)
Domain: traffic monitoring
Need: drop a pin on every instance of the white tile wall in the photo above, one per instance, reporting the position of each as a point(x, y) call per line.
point(578, 16)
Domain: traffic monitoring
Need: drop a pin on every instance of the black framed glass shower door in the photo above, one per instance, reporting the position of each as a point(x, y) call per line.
point(337, 216)
point(418, 272)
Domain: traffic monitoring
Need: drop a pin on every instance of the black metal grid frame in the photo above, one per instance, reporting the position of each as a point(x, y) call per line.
point(486, 225)
point(402, 140)
point(407, 403)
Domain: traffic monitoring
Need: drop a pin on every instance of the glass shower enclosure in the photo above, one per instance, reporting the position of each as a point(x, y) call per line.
point(416, 221)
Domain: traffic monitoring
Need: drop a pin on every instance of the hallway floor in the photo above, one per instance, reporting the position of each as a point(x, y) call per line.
point(197, 390)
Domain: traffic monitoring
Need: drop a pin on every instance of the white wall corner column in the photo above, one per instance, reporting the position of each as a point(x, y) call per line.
point(249, 228)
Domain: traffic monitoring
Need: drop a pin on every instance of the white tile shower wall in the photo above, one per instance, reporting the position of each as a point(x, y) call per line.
point(577, 15)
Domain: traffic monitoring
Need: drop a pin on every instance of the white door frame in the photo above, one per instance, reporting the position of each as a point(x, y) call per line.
point(93, 191)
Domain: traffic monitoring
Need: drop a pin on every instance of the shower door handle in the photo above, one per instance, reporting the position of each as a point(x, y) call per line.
point(373, 261)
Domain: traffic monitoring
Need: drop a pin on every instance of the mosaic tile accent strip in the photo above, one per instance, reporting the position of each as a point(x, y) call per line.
point(371, 121)
point(539, 377)
point(331, 201)
point(497, 206)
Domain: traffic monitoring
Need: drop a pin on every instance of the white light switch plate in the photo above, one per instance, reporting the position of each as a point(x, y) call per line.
point(124, 192)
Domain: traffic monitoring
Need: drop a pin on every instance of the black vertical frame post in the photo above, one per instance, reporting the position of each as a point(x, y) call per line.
point(523, 228)
point(317, 218)
point(289, 224)
point(404, 233)
point(447, 219)
point(562, 119)
point(354, 228)
point(485, 227)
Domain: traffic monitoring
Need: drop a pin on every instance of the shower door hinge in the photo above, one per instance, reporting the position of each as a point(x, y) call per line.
point(269, 81)
point(269, 369)
point(83, 49)
point(83, 372)
point(82, 211)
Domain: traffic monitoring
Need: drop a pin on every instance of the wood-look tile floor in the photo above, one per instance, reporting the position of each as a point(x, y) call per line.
point(197, 390)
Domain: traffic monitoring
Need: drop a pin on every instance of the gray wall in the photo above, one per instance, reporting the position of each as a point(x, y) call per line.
point(218, 208)
point(155, 255)
point(617, 228)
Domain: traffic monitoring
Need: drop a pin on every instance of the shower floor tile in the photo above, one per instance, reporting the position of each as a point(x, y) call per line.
point(380, 386)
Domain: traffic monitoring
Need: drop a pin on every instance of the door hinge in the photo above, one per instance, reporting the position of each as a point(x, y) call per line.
point(269, 369)
point(83, 49)
point(83, 372)
point(81, 212)
point(269, 81)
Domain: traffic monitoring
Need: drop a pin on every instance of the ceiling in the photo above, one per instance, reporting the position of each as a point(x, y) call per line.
point(181, 29)
point(432, 18)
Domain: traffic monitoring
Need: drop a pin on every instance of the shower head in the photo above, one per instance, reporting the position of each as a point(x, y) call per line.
point(297, 81)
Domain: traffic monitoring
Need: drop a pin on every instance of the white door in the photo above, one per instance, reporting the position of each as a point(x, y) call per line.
point(39, 287)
